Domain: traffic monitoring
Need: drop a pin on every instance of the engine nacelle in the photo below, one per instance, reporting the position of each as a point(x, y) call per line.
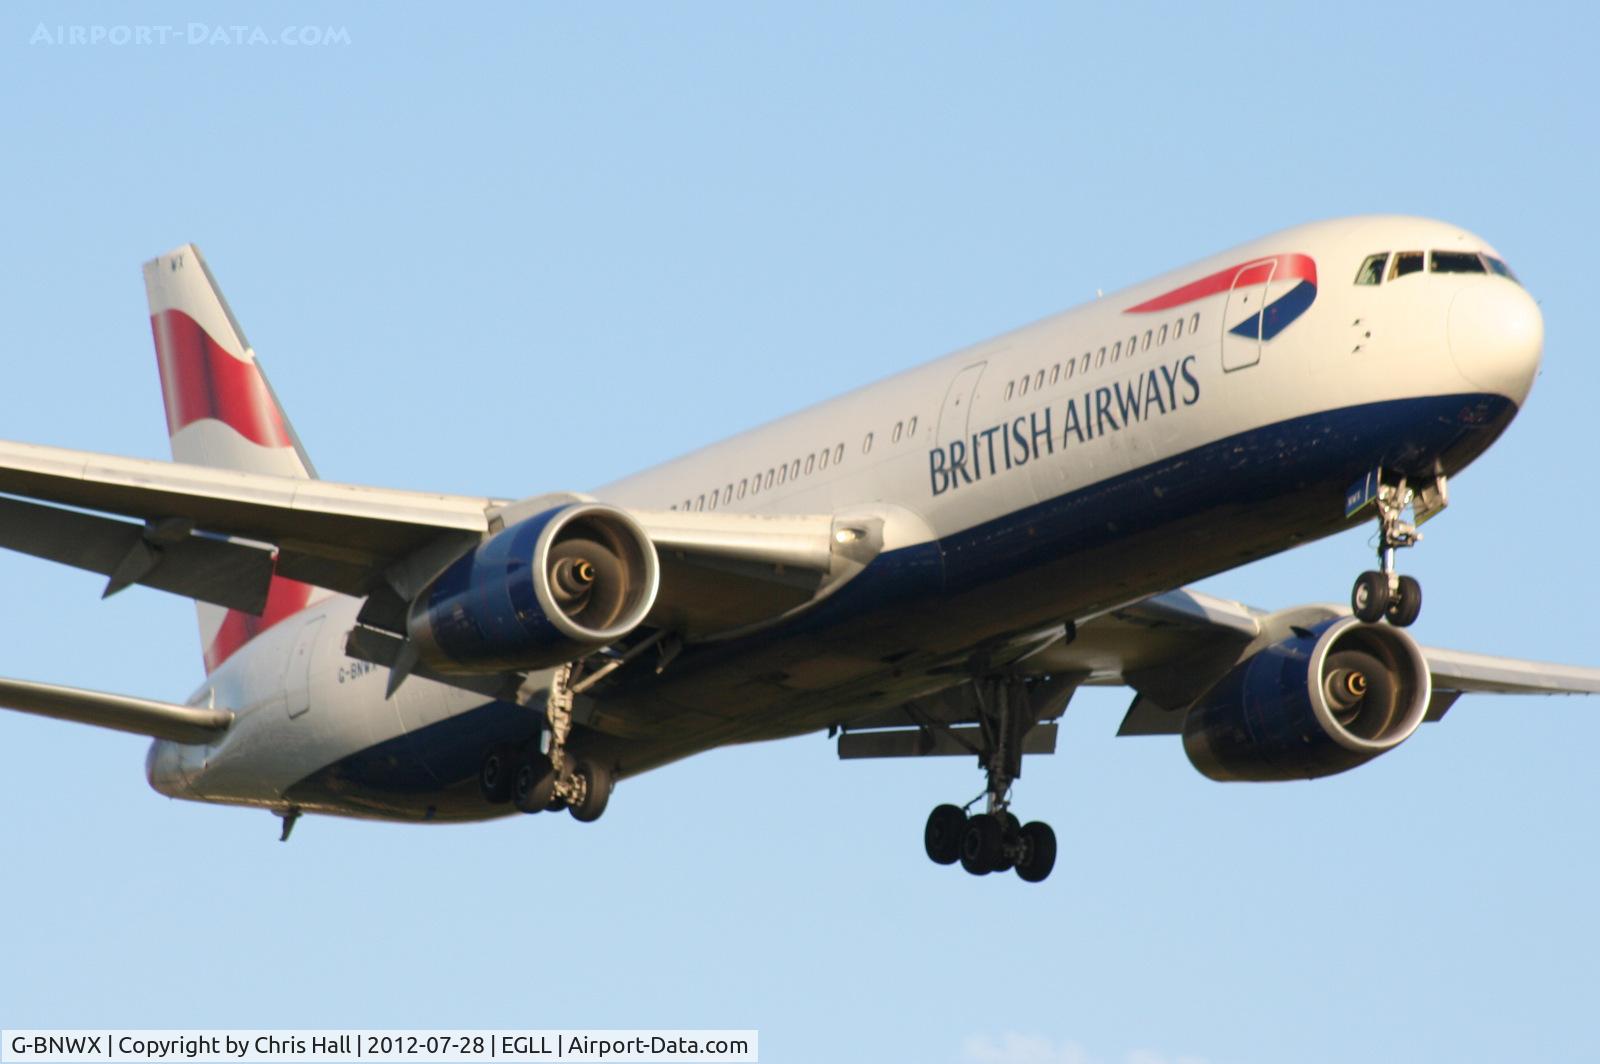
point(543, 592)
point(1323, 701)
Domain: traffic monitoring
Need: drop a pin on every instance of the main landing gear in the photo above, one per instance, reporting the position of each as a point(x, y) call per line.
point(1384, 594)
point(995, 840)
point(550, 778)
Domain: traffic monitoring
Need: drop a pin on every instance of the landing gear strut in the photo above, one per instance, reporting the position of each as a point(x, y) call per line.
point(550, 778)
point(1384, 593)
point(994, 840)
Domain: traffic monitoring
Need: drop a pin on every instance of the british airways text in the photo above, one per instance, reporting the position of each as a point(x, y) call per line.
point(1104, 410)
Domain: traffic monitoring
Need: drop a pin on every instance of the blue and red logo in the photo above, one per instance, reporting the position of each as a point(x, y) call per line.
point(1270, 320)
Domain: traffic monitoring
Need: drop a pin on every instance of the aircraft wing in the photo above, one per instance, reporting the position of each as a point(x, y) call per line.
point(720, 571)
point(141, 716)
point(1459, 671)
point(1171, 647)
point(338, 536)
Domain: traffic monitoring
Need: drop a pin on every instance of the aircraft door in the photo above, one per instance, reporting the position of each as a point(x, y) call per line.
point(297, 670)
point(1241, 319)
point(957, 410)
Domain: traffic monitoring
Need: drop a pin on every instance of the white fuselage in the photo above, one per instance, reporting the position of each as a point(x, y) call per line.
point(1086, 460)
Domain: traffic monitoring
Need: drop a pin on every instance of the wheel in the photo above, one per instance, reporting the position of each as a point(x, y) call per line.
point(496, 774)
point(1407, 603)
point(1010, 834)
point(596, 792)
point(942, 837)
point(1369, 600)
point(982, 844)
point(1038, 852)
point(534, 784)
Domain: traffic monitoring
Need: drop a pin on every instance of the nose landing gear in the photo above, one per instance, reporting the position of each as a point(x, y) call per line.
point(1383, 593)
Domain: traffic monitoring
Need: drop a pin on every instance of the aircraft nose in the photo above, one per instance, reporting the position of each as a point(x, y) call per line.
point(1496, 337)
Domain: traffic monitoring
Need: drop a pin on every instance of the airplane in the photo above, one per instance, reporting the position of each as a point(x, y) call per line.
point(931, 565)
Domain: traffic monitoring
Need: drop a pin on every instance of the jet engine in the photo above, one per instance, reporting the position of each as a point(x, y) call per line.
point(542, 592)
point(1322, 701)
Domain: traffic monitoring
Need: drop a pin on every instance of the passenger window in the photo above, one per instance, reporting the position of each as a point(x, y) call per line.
point(911, 426)
point(866, 444)
point(783, 474)
point(822, 459)
point(1455, 262)
point(838, 453)
point(742, 485)
point(894, 437)
point(700, 503)
point(1038, 380)
point(1177, 329)
point(1162, 338)
point(1011, 389)
point(811, 463)
point(713, 505)
point(769, 478)
point(1194, 322)
point(794, 470)
point(1072, 366)
point(1023, 390)
point(1405, 262)
point(1371, 271)
point(1149, 338)
point(1055, 372)
point(1100, 359)
point(1116, 350)
point(1133, 345)
point(686, 505)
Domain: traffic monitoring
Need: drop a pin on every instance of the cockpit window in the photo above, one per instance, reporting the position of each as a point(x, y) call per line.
point(1406, 262)
point(1371, 271)
point(1456, 262)
point(1499, 266)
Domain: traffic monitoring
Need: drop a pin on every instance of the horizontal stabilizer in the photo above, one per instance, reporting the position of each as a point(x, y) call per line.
point(141, 716)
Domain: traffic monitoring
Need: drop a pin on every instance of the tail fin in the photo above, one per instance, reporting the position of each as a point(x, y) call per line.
point(221, 412)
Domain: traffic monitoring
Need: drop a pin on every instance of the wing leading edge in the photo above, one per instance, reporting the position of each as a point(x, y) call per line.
point(1170, 648)
point(219, 535)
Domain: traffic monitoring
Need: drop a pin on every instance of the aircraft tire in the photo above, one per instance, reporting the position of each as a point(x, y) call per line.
point(1038, 852)
point(496, 775)
point(1369, 599)
point(1010, 834)
point(941, 838)
point(596, 793)
point(534, 784)
point(1407, 604)
point(982, 844)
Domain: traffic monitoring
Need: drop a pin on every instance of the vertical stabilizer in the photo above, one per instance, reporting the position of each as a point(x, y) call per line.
point(221, 412)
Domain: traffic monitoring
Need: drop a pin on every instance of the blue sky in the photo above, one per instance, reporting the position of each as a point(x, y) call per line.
point(698, 217)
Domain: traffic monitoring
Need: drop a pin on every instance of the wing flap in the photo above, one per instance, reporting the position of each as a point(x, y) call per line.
point(231, 575)
point(140, 716)
point(345, 532)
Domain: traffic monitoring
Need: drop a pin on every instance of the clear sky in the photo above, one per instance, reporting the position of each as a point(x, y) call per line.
point(520, 249)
